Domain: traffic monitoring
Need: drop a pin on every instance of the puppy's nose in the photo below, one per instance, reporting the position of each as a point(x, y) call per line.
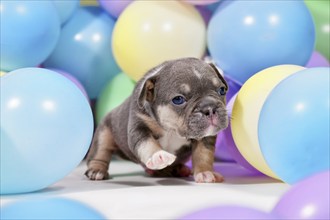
point(209, 111)
point(208, 106)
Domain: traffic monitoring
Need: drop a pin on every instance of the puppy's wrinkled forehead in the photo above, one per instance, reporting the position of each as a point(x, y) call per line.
point(189, 75)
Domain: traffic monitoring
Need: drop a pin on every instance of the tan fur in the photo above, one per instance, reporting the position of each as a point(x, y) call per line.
point(169, 118)
point(216, 82)
point(106, 146)
point(152, 124)
point(202, 158)
point(185, 88)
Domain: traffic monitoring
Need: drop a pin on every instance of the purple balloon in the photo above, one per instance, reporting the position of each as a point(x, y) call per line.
point(222, 146)
point(225, 142)
point(228, 212)
point(234, 87)
point(205, 12)
point(74, 80)
point(308, 199)
point(317, 60)
point(222, 149)
point(114, 7)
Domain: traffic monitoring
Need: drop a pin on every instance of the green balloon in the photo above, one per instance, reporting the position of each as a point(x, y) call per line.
point(114, 93)
point(320, 10)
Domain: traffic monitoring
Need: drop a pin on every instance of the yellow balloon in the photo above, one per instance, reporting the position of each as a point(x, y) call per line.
point(89, 3)
point(246, 111)
point(148, 33)
point(2, 73)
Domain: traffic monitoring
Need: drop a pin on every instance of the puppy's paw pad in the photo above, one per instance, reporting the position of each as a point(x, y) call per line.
point(160, 160)
point(97, 174)
point(208, 177)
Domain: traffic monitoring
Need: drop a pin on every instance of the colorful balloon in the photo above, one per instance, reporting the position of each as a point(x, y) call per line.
point(321, 17)
point(226, 141)
point(246, 111)
point(48, 209)
point(29, 33)
point(114, 93)
point(223, 144)
point(114, 7)
point(234, 87)
point(201, 2)
point(89, 3)
point(293, 127)
point(74, 80)
point(317, 60)
point(308, 199)
point(245, 37)
point(84, 49)
point(65, 9)
point(46, 129)
point(148, 33)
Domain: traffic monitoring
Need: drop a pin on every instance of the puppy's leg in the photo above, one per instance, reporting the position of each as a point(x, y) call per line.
point(202, 159)
point(151, 154)
point(99, 156)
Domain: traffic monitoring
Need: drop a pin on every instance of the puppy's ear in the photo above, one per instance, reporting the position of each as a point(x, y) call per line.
point(219, 73)
point(147, 93)
point(147, 86)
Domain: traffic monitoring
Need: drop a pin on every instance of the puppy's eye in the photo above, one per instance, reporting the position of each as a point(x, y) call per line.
point(222, 91)
point(178, 100)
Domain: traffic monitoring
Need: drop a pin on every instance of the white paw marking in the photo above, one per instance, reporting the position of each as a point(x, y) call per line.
point(99, 176)
point(208, 177)
point(160, 160)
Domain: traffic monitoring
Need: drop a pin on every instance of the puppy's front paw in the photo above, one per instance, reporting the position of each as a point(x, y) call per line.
point(208, 177)
point(97, 174)
point(160, 160)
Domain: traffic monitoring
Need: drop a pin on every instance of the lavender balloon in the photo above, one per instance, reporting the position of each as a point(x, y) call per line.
point(228, 212)
point(308, 199)
point(114, 7)
point(317, 60)
point(74, 80)
point(225, 142)
point(222, 147)
point(205, 12)
point(234, 87)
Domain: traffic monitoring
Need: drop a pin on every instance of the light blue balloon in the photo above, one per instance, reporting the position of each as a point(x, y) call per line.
point(245, 37)
point(65, 9)
point(84, 49)
point(29, 33)
point(49, 208)
point(46, 129)
point(294, 125)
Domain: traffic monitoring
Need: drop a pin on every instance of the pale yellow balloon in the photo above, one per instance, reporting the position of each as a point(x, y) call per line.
point(89, 3)
point(148, 33)
point(246, 111)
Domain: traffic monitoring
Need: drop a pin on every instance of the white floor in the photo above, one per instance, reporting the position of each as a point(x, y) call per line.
point(129, 194)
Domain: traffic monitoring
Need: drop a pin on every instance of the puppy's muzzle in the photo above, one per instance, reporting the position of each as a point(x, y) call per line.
point(207, 107)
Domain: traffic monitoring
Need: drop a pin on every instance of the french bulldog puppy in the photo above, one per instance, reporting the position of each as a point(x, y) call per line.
point(174, 113)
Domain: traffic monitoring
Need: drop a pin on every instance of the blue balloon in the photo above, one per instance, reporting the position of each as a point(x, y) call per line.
point(293, 127)
point(49, 208)
point(29, 32)
point(245, 37)
point(84, 49)
point(66, 8)
point(46, 129)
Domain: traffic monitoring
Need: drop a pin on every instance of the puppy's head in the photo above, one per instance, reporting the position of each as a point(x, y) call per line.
point(186, 95)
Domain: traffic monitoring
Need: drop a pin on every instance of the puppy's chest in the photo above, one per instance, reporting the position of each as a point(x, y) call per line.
point(171, 142)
